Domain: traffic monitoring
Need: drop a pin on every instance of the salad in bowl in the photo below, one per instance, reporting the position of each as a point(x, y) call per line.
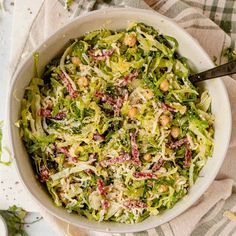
point(114, 128)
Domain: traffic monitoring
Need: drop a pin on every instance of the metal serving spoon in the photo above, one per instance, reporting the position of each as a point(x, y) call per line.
point(222, 70)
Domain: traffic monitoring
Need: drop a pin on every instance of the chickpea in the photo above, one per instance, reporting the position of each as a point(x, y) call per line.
point(164, 86)
point(175, 131)
point(149, 94)
point(164, 120)
point(130, 39)
point(49, 104)
point(169, 151)
point(76, 61)
point(170, 76)
point(158, 174)
point(98, 168)
point(66, 164)
point(132, 112)
point(68, 97)
point(163, 188)
point(82, 82)
point(183, 110)
point(147, 157)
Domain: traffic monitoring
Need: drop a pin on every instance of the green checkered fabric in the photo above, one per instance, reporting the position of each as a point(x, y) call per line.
point(191, 15)
point(221, 12)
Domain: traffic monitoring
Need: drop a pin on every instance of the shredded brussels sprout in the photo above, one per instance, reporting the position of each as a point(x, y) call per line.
point(115, 129)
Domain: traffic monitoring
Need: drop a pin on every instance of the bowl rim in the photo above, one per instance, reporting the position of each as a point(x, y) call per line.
point(34, 196)
point(3, 226)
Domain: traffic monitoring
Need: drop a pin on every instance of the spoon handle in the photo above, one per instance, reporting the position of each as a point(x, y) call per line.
point(222, 70)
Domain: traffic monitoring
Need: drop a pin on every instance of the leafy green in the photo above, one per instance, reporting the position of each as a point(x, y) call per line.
point(15, 220)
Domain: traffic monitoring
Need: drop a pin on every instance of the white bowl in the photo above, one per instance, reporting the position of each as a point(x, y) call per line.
point(3, 227)
point(117, 19)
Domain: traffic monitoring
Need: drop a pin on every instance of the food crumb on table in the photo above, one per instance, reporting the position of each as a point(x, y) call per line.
point(230, 215)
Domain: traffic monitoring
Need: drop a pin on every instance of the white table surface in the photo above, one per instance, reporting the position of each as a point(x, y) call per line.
point(11, 190)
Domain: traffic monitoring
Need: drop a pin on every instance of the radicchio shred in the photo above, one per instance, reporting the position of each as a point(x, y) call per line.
point(65, 151)
point(144, 175)
point(167, 107)
point(178, 143)
point(73, 93)
point(44, 174)
point(115, 103)
point(101, 187)
point(158, 164)
point(187, 156)
point(120, 159)
point(134, 149)
point(128, 78)
point(135, 204)
point(48, 114)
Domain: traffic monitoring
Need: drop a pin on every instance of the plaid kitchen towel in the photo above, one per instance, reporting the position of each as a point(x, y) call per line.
point(212, 23)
